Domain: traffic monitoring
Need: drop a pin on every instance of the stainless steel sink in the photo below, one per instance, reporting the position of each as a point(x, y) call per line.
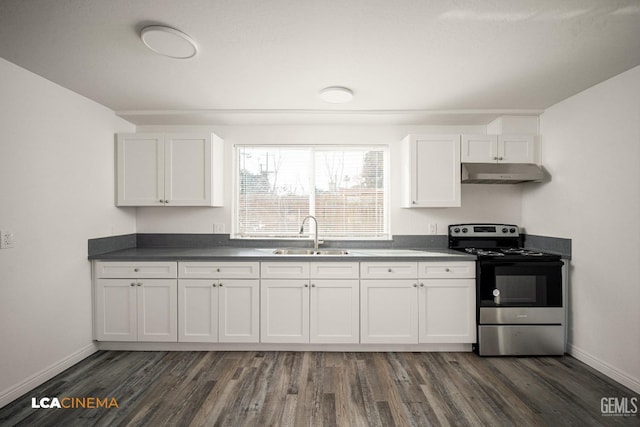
point(302, 251)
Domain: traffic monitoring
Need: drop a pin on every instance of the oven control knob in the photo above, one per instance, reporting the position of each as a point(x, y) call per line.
point(504, 230)
point(496, 292)
point(513, 230)
point(465, 229)
point(456, 230)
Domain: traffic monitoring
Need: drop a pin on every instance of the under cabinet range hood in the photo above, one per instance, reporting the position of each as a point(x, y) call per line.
point(502, 173)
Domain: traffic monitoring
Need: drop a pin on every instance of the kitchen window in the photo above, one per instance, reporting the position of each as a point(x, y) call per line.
point(343, 187)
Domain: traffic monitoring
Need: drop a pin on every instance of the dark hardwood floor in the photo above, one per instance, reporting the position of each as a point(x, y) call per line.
point(324, 389)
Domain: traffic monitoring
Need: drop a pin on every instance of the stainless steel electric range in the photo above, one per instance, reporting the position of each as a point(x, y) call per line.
point(520, 306)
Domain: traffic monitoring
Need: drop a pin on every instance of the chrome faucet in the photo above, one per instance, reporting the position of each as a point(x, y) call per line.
point(315, 239)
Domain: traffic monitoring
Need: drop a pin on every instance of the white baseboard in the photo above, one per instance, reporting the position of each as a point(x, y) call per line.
point(12, 393)
point(605, 368)
point(182, 346)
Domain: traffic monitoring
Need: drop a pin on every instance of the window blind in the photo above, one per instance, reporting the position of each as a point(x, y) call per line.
point(343, 187)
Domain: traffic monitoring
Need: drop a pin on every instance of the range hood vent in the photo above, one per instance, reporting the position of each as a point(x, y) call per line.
point(503, 173)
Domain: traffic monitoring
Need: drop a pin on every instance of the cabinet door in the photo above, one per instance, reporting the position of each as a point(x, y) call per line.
point(479, 148)
point(447, 311)
point(335, 314)
point(284, 311)
point(389, 311)
point(116, 310)
point(157, 309)
point(187, 170)
point(516, 148)
point(197, 310)
point(434, 166)
point(239, 307)
point(140, 168)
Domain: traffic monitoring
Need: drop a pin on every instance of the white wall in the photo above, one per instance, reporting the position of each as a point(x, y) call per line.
point(592, 149)
point(495, 203)
point(56, 191)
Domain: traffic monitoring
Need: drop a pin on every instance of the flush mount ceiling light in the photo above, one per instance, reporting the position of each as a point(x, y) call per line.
point(168, 41)
point(336, 94)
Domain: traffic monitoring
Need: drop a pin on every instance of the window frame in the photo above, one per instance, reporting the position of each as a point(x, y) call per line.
point(385, 148)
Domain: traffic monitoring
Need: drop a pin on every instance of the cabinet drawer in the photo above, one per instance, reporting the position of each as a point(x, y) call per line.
point(284, 270)
point(115, 270)
point(218, 270)
point(447, 270)
point(335, 270)
point(389, 270)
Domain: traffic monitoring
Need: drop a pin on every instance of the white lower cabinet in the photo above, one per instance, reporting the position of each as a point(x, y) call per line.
point(321, 306)
point(224, 310)
point(447, 311)
point(334, 311)
point(136, 310)
point(212, 308)
point(389, 311)
point(284, 310)
point(286, 302)
point(438, 306)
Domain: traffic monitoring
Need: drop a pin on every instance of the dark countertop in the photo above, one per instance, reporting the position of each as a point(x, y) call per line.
point(228, 253)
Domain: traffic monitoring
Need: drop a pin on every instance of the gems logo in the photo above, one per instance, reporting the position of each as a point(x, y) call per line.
point(619, 406)
point(74, 403)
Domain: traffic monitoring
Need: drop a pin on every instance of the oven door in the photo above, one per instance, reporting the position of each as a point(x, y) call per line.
point(519, 284)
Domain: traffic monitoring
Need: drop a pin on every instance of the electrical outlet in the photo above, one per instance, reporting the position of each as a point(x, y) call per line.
point(433, 228)
point(218, 228)
point(6, 239)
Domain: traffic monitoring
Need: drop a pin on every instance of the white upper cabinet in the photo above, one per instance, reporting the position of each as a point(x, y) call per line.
point(498, 148)
point(155, 169)
point(432, 171)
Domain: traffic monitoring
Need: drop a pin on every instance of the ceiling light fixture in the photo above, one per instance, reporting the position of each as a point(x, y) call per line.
point(168, 41)
point(336, 94)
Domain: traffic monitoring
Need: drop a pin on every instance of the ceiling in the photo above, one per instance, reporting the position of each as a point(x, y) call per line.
point(407, 61)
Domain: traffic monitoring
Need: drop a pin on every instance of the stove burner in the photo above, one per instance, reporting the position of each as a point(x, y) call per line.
point(483, 252)
point(521, 251)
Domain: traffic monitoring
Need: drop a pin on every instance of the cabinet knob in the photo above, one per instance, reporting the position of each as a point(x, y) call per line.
point(136, 270)
point(415, 285)
point(495, 158)
point(133, 284)
point(161, 201)
point(390, 270)
point(422, 285)
point(166, 201)
point(413, 201)
point(313, 286)
point(220, 285)
point(218, 270)
point(139, 283)
point(214, 285)
point(306, 285)
point(500, 158)
point(447, 270)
